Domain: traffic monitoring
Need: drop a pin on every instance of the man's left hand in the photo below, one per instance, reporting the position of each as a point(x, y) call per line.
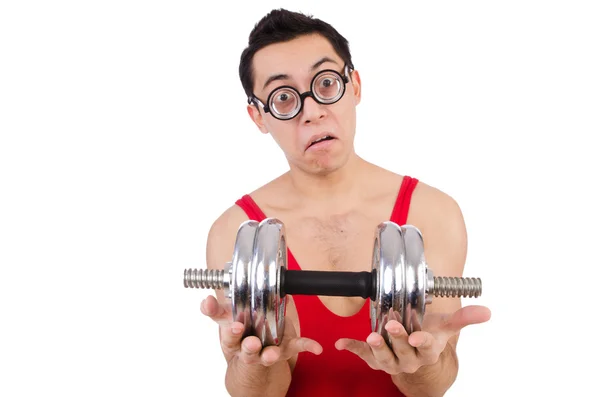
point(422, 347)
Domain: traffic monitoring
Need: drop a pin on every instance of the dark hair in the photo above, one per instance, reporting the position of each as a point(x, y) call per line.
point(283, 25)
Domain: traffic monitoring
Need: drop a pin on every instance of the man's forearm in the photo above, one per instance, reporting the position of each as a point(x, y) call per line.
point(257, 380)
point(430, 380)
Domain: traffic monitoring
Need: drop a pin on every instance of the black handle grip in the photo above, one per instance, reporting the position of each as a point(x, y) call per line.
point(310, 282)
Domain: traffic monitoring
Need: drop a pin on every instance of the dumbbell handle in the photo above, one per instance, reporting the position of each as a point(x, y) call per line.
point(309, 282)
point(324, 283)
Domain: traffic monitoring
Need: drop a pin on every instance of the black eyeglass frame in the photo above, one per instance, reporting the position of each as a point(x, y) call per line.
point(344, 78)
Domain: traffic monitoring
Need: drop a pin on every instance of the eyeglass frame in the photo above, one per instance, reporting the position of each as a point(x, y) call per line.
point(303, 96)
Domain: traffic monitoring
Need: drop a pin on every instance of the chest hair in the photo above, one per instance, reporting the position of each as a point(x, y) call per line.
point(337, 242)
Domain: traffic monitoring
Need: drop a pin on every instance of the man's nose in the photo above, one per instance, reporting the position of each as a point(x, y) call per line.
point(312, 110)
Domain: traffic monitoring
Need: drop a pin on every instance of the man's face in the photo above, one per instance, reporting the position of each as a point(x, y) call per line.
point(295, 63)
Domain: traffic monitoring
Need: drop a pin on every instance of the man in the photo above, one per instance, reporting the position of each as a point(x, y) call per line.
point(303, 89)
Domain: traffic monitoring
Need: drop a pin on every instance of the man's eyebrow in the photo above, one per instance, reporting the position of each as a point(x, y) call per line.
point(322, 61)
point(283, 76)
point(274, 78)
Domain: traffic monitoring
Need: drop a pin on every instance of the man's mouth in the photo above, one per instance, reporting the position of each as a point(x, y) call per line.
point(319, 140)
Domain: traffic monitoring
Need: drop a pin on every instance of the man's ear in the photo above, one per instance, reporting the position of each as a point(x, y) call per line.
point(257, 117)
point(356, 85)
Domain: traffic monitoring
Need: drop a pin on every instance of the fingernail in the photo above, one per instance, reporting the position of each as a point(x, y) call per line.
point(236, 330)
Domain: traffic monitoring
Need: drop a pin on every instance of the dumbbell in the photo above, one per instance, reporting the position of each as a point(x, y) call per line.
point(257, 280)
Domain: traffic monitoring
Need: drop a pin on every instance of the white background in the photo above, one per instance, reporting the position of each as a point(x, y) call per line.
point(124, 134)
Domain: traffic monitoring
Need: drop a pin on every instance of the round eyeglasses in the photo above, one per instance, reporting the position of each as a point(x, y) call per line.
point(285, 103)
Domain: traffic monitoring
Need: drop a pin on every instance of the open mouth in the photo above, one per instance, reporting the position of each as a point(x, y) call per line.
point(323, 139)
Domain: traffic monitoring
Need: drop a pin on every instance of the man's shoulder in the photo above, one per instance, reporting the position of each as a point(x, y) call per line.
point(435, 208)
point(233, 216)
point(424, 196)
point(227, 223)
point(273, 194)
point(432, 198)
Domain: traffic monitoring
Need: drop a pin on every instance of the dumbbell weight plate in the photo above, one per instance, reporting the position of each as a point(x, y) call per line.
point(416, 278)
point(267, 305)
point(388, 270)
point(239, 268)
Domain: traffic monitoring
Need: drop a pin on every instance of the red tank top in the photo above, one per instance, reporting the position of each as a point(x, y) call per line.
point(336, 373)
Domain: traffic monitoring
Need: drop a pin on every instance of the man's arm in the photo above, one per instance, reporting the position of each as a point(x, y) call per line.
point(424, 363)
point(445, 243)
point(431, 380)
point(256, 380)
point(241, 379)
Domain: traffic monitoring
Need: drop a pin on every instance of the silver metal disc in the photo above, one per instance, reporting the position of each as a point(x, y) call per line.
point(239, 290)
point(270, 256)
point(416, 278)
point(388, 268)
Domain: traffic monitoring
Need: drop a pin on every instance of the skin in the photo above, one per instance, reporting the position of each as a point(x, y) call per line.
point(330, 201)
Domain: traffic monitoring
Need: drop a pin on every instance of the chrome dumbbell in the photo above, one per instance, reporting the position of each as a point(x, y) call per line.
point(256, 281)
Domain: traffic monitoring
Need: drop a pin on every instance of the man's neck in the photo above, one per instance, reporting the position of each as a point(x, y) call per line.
point(338, 185)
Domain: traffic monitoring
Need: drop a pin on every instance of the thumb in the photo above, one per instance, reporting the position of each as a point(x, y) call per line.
point(467, 315)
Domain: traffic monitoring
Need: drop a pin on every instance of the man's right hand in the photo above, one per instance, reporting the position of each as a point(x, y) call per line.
point(249, 349)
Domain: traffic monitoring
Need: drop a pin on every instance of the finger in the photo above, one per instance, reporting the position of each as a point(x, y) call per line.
point(361, 349)
point(231, 337)
point(210, 307)
point(428, 350)
point(299, 345)
point(415, 322)
point(465, 316)
point(384, 356)
point(270, 355)
point(250, 350)
point(399, 338)
point(394, 315)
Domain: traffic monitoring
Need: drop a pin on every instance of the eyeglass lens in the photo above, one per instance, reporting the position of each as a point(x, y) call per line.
point(327, 88)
